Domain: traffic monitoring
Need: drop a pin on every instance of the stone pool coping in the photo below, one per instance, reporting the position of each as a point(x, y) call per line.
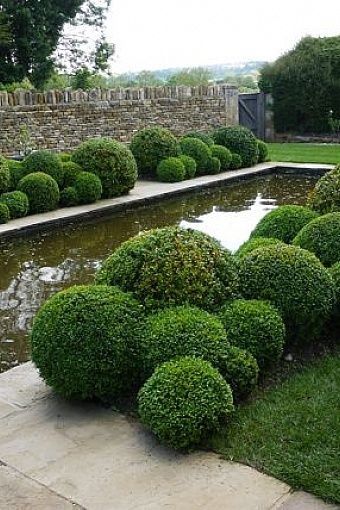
point(147, 192)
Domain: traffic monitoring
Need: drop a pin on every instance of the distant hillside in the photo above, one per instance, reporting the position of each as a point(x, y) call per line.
point(219, 71)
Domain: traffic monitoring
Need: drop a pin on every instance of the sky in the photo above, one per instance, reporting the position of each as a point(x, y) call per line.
point(153, 34)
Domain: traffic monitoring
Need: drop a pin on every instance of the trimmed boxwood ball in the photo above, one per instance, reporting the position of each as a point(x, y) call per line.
point(150, 146)
point(71, 172)
point(17, 172)
point(4, 213)
point(173, 266)
point(111, 161)
point(257, 327)
point(197, 150)
point(322, 237)
point(17, 203)
point(223, 154)
point(254, 243)
point(180, 331)
point(263, 151)
point(69, 197)
point(83, 342)
point(295, 282)
point(240, 140)
point(240, 370)
point(5, 176)
point(284, 222)
point(42, 192)
point(236, 161)
point(183, 401)
point(325, 197)
point(46, 162)
point(189, 166)
point(171, 170)
point(88, 188)
point(204, 137)
point(214, 166)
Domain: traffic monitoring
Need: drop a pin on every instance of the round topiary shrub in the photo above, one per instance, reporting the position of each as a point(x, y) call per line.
point(284, 222)
point(183, 401)
point(240, 370)
point(322, 237)
point(17, 172)
point(71, 172)
point(197, 150)
point(4, 213)
point(263, 151)
point(325, 197)
point(46, 162)
point(240, 140)
point(17, 203)
point(150, 146)
point(254, 243)
point(5, 176)
point(173, 266)
point(236, 161)
point(189, 165)
point(69, 197)
point(83, 342)
point(214, 166)
point(88, 188)
point(204, 137)
point(171, 170)
point(257, 327)
point(42, 192)
point(223, 154)
point(180, 331)
point(294, 281)
point(111, 161)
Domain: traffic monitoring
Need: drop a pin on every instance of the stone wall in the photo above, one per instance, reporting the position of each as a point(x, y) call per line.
point(61, 120)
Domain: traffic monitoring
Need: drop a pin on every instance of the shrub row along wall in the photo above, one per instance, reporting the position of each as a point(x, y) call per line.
point(62, 119)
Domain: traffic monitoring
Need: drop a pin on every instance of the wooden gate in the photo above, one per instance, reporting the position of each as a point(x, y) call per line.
point(252, 113)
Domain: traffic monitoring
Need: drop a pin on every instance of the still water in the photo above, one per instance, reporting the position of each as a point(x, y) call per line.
point(34, 267)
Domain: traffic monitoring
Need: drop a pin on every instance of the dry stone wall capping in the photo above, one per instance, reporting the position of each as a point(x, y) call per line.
point(60, 120)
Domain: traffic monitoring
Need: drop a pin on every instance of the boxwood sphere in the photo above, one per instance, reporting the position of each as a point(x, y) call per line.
point(171, 170)
point(257, 327)
point(180, 331)
point(173, 266)
point(284, 222)
point(71, 171)
point(197, 150)
point(223, 154)
point(236, 161)
point(189, 166)
point(325, 197)
point(322, 237)
point(150, 146)
point(17, 203)
point(214, 166)
point(46, 162)
point(4, 213)
point(5, 176)
point(263, 151)
point(204, 137)
point(111, 161)
point(294, 281)
point(83, 342)
point(254, 243)
point(240, 140)
point(42, 192)
point(69, 197)
point(88, 188)
point(240, 370)
point(183, 401)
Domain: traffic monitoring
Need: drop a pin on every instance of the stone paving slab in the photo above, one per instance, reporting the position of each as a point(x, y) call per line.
point(101, 460)
point(303, 501)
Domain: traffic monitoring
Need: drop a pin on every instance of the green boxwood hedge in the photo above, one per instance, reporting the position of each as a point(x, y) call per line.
point(325, 197)
point(17, 203)
point(46, 162)
point(4, 213)
point(189, 166)
point(71, 171)
point(83, 342)
point(173, 266)
point(223, 154)
point(236, 161)
point(17, 172)
point(263, 151)
point(335, 274)
point(197, 150)
point(42, 192)
point(88, 188)
point(254, 243)
point(240, 370)
point(214, 166)
point(69, 197)
point(204, 137)
point(183, 401)
point(240, 140)
point(5, 176)
point(171, 170)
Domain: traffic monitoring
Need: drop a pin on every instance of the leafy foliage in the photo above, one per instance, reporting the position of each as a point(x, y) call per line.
point(171, 170)
point(197, 150)
point(4, 213)
point(17, 203)
point(254, 243)
point(71, 171)
point(214, 166)
point(239, 140)
point(191, 77)
point(263, 151)
point(189, 166)
point(223, 154)
point(183, 401)
point(240, 370)
point(335, 274)
point(204, 137)
point(83, 342)
point(69, 197)
point(236, 161)
point(46, 162)
point(173, 266)
point(88, 188)
point(42, 192)
point(284, 222)
point(325, 197)
point(5, 176)
point(17, 172)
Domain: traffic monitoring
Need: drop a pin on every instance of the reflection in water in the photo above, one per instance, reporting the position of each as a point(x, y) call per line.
point(34, 267)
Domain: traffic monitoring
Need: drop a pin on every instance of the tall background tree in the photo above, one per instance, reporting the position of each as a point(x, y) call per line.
point(305, 84)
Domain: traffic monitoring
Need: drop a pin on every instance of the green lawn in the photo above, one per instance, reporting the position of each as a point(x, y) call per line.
point(292, 431)
point(305, 152)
